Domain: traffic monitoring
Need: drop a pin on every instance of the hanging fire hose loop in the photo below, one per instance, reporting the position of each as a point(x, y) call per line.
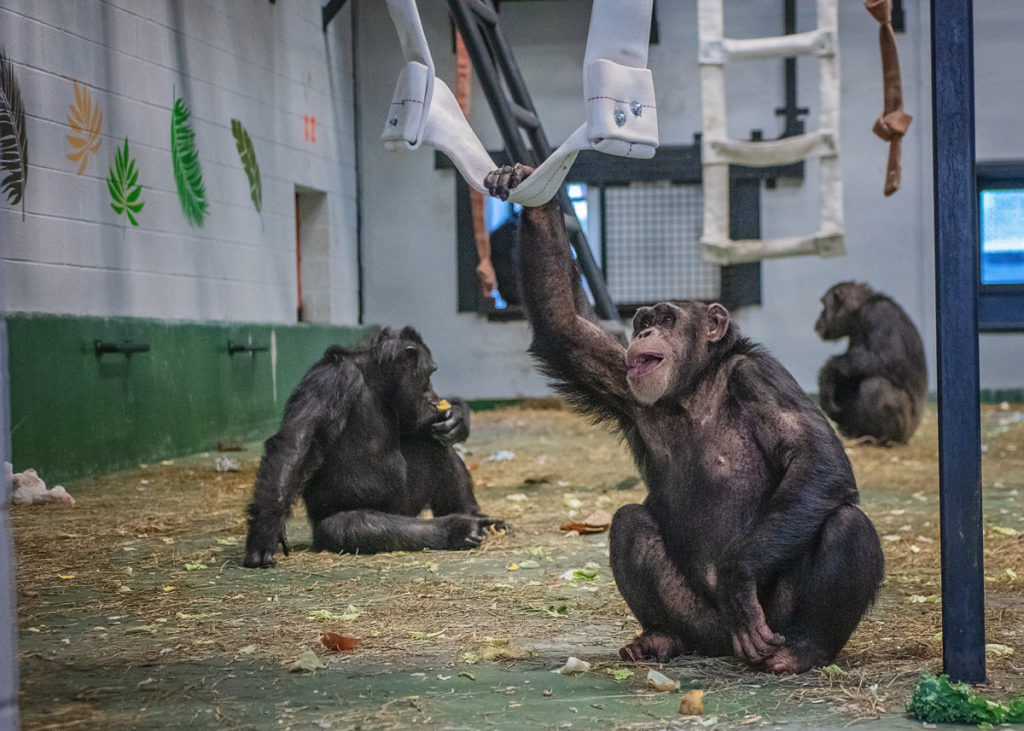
point(621, 116)
point(481, 237)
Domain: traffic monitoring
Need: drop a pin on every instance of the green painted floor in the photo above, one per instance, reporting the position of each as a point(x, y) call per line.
point(135, 612)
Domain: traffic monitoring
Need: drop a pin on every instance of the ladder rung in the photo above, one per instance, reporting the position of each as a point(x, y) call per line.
point(819, 42)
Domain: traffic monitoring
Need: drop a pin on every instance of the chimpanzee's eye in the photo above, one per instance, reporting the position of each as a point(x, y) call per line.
point(667, 320)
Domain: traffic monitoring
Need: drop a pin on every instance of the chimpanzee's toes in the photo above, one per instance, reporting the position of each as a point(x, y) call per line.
point(498, 526)
point(651, 645)
point(630, 653)
point(783, 662)
point(259, 560)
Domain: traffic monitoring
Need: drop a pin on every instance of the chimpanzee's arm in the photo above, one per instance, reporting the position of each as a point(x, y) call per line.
point(829, 382)
point(586, 363)
point(858, 363)
point(289, 458)
point(371, 531)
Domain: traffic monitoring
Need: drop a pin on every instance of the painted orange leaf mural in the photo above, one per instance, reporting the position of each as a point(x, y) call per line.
point(86, 120)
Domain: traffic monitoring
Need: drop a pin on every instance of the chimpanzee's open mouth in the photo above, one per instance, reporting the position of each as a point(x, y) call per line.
point(642, 363)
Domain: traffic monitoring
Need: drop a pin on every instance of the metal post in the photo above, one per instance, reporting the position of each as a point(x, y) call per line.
point(8, 613)
point(956, 293)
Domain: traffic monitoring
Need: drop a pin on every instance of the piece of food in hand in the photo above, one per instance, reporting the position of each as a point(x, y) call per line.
point(443, 405)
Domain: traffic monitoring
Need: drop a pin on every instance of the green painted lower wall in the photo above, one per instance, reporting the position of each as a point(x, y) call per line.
point(74, 413)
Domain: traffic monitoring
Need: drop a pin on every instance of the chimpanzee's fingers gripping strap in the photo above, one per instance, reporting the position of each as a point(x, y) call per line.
point(618, 93)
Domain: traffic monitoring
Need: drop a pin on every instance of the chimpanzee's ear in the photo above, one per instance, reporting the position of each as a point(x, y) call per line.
point(410, 333)
point(716, 322)
point(382, 337)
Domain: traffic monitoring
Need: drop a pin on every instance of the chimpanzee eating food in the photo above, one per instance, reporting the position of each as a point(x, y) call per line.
point(368, 445)
point(877, 387)
point(750, 541)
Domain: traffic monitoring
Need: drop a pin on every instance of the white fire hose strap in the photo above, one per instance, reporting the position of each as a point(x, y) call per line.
point(622, 118)
point(407, 113)
point(621, 114)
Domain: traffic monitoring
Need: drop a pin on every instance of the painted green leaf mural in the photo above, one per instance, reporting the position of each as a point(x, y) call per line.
point(188, 174)
point(13, 137)
point(252, 168)
point(123, 185)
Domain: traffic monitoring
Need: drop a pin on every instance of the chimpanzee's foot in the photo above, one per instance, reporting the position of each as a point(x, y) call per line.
point(865, 441)
point(651, 646)
point(786, 661)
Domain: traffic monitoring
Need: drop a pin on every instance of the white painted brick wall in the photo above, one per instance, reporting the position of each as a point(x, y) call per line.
point(266, 64)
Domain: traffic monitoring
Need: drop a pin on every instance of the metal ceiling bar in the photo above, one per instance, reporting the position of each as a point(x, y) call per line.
point(328, 11)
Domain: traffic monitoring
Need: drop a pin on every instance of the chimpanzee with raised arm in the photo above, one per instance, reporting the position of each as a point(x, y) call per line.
point(750, 541)
point(368, 445)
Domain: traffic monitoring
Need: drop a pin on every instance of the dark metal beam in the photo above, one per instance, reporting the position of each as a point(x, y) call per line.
point(328, 11)
point(792, 112)
point(956, 302)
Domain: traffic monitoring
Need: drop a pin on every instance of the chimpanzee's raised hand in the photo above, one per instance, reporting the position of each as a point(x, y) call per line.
point(500, 182)
point(261, 544)
point(454, 426)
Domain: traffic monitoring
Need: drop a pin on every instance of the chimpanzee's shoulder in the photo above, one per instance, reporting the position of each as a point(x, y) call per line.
point(338, 368)
point(756, 374)
point(880, 307)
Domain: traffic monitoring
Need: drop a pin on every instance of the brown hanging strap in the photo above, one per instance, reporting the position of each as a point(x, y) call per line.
point(463, 84)
point(893, 123)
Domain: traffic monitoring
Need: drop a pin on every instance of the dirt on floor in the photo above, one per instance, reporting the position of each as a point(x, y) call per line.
point(135, 612)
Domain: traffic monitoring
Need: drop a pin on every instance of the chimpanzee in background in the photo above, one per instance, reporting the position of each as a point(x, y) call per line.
point(877, 387)
point(364, 443)
point(750, 541)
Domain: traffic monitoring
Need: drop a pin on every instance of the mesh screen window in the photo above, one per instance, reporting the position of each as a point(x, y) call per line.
point(652, 244)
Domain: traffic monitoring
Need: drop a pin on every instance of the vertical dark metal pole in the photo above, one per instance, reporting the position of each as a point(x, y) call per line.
point(956, 292)
point(8, 614)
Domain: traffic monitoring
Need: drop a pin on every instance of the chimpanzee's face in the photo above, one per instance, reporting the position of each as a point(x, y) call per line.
point(415, 398)
point(654, 353)
point(404, 366)
point(669, 344)
point(838, 304)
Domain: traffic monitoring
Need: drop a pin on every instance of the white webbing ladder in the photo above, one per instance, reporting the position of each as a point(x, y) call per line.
point(718, 151)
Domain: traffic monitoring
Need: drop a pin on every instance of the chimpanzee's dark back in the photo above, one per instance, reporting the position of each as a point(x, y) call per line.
point(884, 329)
